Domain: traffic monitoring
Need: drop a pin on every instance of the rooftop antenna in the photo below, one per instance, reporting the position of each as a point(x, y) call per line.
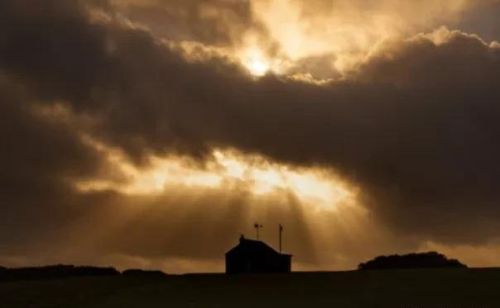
point(257, 227)
point(280, 231)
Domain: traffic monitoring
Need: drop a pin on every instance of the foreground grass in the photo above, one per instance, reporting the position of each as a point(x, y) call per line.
point(440, 288)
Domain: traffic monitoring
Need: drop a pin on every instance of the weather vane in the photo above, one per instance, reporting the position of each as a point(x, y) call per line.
point(257, 227)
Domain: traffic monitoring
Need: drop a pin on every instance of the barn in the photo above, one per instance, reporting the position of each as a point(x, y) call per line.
point(252, 256)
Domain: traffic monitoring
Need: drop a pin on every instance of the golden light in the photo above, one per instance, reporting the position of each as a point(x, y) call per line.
point(256, 63)
point(258, 67)
point(341, 34)
point(226, 170)
point(309, 41)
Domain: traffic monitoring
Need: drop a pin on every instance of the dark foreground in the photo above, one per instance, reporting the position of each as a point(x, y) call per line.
point(441, 288)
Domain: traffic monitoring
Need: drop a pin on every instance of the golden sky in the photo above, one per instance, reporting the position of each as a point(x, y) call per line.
point(152, 133)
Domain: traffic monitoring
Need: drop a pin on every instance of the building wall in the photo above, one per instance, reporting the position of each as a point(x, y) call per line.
point(239, 263)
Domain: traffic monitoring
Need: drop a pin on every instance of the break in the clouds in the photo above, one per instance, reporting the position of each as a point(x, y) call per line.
point(153, 133)
point(309, 39)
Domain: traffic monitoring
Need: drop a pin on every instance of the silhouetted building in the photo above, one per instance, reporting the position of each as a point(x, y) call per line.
point(251, 256)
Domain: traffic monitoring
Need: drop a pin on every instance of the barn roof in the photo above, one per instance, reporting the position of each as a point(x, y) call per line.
point(253, 246)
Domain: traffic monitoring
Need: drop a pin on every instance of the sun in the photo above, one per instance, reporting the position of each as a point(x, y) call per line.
point(258, 67)
point(256, 63)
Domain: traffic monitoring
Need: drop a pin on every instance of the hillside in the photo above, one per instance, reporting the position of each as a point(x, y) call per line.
point(390, 288)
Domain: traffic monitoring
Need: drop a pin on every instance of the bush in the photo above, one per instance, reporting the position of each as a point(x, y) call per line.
point(414, 260)
point(55, 271)
point(144, 273)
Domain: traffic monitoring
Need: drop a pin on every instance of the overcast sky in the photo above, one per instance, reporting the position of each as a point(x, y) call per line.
point(152, 133)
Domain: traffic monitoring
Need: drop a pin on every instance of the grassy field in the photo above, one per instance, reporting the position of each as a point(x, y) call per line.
point(448, 288)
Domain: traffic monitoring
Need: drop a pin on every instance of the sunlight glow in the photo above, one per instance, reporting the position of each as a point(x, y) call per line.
point(225, 171)
point(328, 40)
point(258, 67)
point(256, 63)
point(308, 41)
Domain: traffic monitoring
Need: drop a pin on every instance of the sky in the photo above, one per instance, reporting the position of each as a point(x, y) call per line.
point(153, 133)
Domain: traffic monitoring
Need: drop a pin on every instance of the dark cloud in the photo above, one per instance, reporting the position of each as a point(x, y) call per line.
point(482, 19)
point(416, 128)
point(38, 159)
point(213, 22)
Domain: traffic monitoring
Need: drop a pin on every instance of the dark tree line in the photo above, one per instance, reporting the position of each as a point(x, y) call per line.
point(413, 260)
point(66, 271)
